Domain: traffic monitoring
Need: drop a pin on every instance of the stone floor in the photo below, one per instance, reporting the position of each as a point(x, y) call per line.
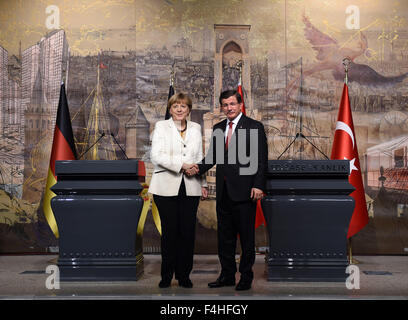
point(24, 277)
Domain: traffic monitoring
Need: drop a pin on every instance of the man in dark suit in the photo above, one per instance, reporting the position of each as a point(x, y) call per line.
point(239, 149)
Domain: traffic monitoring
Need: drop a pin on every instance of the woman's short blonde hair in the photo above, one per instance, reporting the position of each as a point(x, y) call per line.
point(180, 98)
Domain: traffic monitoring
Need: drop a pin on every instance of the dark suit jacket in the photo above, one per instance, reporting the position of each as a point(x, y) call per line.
point(238, 185)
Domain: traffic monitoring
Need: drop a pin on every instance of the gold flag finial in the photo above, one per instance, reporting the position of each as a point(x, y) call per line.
point(346, 64)
point(172, 74)
point(238, 66)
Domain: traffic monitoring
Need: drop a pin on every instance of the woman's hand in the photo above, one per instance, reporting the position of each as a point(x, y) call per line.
point(190, 169)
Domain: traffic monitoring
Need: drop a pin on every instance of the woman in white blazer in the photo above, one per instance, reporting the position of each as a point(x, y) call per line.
point(176, 145)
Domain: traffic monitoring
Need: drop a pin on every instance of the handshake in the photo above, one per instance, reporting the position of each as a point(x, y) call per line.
point(190, 169)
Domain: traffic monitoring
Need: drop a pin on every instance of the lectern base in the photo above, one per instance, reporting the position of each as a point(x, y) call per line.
point(296, 271)
point(126, 269)
point(307, 211)
point(97, 210)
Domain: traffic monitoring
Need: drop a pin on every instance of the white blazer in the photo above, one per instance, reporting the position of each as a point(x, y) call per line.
point(168, 153)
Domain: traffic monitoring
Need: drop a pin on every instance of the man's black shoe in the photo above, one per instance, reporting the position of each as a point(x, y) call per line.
point(222, 282)
point(185, 283)
point(243, 285)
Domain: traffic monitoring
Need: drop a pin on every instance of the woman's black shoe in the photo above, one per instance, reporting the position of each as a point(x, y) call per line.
point(185, 283)
point(164, 283)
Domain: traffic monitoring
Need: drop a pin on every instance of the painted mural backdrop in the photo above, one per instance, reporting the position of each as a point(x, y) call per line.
point(116, 58)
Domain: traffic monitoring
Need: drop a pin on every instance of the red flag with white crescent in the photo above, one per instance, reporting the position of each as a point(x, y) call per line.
point(259, 218)
point(345, 148)
point(242, 95)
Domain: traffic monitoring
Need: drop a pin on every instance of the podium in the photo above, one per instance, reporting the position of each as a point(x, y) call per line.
point(97, 208)
point(307, 210)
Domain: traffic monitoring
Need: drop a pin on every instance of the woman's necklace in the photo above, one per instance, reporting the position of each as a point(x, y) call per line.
point(183, 129)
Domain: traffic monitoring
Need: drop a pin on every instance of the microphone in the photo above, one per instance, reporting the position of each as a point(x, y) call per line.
point(113, 136)
point(100, 137)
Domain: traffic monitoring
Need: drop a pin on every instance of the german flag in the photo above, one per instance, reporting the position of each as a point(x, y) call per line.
point(63, 148)
point(171, 93)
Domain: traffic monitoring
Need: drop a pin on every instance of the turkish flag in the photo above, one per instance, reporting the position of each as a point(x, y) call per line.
point(259, 218)
point(242, 95)
point(345, 148)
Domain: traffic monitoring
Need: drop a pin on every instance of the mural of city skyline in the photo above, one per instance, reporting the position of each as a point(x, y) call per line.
point(292, 54)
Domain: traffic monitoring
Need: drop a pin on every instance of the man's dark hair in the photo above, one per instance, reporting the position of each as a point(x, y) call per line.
point(229, 93)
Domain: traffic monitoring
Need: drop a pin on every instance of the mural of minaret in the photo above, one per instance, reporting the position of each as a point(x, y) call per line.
point(11, 124)
point(3, 84)
point(44, 65)
point(38, 140)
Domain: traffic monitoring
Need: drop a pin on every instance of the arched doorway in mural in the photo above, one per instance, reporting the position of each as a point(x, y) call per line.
point(231, 55)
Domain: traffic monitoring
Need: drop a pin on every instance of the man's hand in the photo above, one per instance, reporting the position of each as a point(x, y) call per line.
point(190, 169)
point(204, 193)
point(256, 194)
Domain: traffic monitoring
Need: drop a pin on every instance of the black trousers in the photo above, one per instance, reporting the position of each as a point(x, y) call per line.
point(236, 218)
point(178, 220)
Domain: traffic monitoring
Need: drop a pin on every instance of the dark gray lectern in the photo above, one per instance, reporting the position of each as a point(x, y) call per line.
point(97, 209)
point(307, 210)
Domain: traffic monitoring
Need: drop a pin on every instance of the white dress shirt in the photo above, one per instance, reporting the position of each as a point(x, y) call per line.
point(235, 122)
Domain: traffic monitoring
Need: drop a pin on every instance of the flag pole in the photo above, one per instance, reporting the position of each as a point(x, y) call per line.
point(171, 90)
point(172, 78)
point(239, 66)
point(172, 75)
point(346, 64)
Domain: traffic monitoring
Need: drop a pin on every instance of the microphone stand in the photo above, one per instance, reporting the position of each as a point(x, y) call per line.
point(113, 136)
point(101, 136)
point(300, 134)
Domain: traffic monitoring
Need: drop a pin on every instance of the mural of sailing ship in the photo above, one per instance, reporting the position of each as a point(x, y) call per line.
point(101, 126)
